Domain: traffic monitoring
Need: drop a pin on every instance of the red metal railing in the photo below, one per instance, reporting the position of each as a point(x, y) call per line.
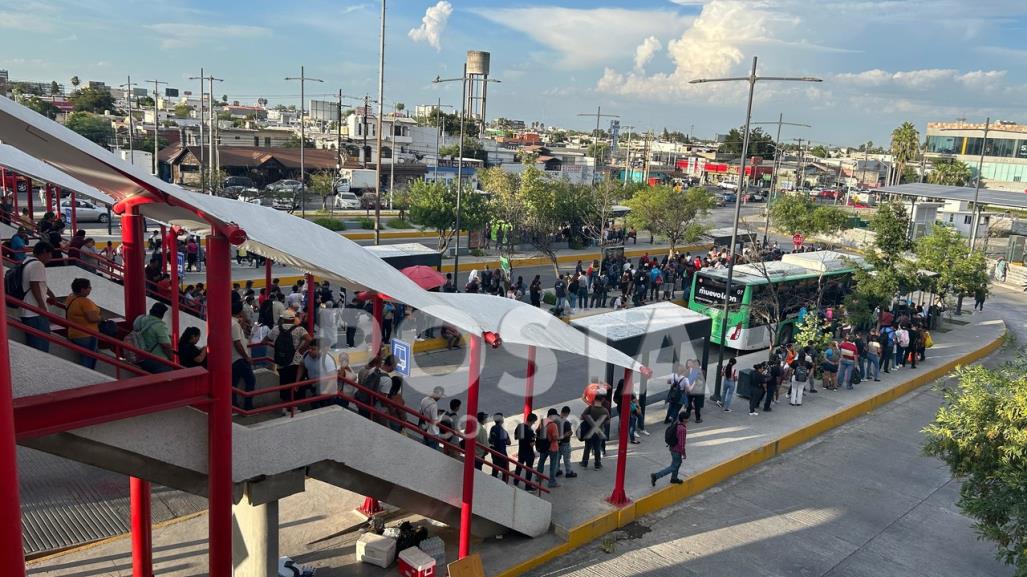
point(117, 346)
point(379, 415)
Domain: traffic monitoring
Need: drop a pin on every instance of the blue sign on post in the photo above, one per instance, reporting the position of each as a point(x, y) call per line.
point(401, 350)
point(181, 265)
point(67, 215)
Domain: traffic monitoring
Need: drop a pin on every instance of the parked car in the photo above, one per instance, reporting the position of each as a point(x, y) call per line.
point(346, 201)
point(285, 186)
point(239, 187)
point(729, 198)
point(719, 200)
point(86, 211)
point(260, 201)
point(755, 196)
point(828, 194)
point(285, 203)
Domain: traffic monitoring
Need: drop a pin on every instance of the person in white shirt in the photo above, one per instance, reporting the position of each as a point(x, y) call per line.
point(429, 410)
point(295, 299)
point(37, 294)
point(317, 364)
point(242, 367)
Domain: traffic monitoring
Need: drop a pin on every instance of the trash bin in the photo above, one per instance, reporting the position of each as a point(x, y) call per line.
point(746, 382)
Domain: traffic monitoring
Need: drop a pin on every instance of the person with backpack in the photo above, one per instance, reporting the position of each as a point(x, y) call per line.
point(242, 364)
point(901, 343)
point(429, 421)
point(524, 434)
point(450, 420)
point(887, 341)
point(695, 386)
point(547, 443)
point(566, 433)
point(318, 364)
point(289, 341)
point(27, 282)
point(758, 388)
point(499, 440)
point(676, 394)
point(591, 431)
point(802, 368)
point(913, 350)
point(730, 382)
point(151, 335)
point(675, 437)
point(634, 419)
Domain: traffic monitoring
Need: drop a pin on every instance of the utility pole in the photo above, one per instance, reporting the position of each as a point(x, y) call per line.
point(131, 122)
point(751, 79)
point(977, 187)
point(303, 136)
point(777, 156)
point(866, 160)
point(338, 137)
point(212, 134)
point(597, 158)
point(156, 123)
point(381, 112)
point(203, 166)
point(799, 179)
point(363, 149)
point(627, 155)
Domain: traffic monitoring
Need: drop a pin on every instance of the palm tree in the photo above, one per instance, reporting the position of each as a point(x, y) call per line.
point(950, 172)
point(905, 145)
point(75, 81)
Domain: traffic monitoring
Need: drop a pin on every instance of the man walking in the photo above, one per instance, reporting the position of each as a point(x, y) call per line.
point(429, 410)
point(566, 432)
point(548, 445)
point(525, 436)
point(677, 435)
point(592, 421)
point(36, 293)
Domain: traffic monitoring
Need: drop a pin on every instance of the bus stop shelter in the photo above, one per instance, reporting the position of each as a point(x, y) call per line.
point(643, 332)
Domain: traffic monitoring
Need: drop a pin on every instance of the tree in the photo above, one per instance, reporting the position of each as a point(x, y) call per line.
point(598, 150)
point(910, 174)
point(951, 172)
point(44, 107)
point(797, 213)
point(182, 110)
point(945, 252)
point(433, 205)
point(144, 102)
point(55, 88)
point(146, 143)
point(760, 143)
point(224, 98)
point(91, 99)
point(294, 142)
point(540, 217)
point(891, 272)
point(673, 214)
point(323, 183)
point(472, 149)
point(980, 432)
point(400, 107)
point(93, 127)
point(905, 145)
point(75, 81)
point(819, 151)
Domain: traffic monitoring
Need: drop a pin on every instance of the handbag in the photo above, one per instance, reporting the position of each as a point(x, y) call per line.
point(928, 340)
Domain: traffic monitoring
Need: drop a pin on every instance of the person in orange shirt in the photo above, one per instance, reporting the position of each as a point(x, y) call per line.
point(83, 312)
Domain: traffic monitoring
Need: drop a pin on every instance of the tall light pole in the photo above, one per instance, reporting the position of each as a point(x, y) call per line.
point(202, 166)
point(131, 121)
point(597, 158)
point(459, 164)
point(438, 134)
point(752, 79)
point(381, 112)
point(211, 132)
point(303, 135)
point(777, 155)
point(156, 122)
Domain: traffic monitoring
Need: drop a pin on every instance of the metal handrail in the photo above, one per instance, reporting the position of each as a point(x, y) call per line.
point(116, 362)
point(293, 403)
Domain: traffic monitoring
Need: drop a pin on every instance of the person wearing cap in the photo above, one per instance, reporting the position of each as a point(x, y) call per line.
point(429, 411)
point(289, 373)
point(153, 337)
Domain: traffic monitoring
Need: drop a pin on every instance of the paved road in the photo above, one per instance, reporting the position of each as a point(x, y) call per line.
point(859, 501)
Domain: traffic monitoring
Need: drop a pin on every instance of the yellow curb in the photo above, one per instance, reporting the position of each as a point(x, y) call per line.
point(613, 520)
point(390, 234)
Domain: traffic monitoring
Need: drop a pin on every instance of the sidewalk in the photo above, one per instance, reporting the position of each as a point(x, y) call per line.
point(723, 445)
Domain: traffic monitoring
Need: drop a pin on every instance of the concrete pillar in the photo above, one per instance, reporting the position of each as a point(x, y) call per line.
point(256, 539)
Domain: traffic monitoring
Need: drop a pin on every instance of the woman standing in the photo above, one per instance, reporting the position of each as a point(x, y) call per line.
point(832, 358)
point(189, 355)
point(535, 291)
point(83, 312)
point(730, 382)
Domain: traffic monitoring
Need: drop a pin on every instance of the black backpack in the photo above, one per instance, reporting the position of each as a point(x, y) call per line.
point(541, 442)
point(675, 393)
point(670, 435)
point(370, 383)
point(801, 372)
point(14, 280)
point(285, 349)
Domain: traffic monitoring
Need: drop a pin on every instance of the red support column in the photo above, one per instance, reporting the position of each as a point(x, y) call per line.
point(171, 241)
point(135, 305)
point(219, 427)
point(311, 307)
point(12, 559)
point(529, 384)
point(377, 310)
point(164, 249)
point(267, 278)
point(15, 194)
point(74, 218)
point(470, 434)
point(49, 197)
point(619, 497)
point(29, 201)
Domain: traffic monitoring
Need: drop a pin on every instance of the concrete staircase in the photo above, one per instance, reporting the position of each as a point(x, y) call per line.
point(1016, 275)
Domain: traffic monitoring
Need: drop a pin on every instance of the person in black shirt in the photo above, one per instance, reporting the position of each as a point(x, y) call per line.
point(189, 355)
point(525, 436)
point(759, 385)
point(535, 291)
point(773, 382)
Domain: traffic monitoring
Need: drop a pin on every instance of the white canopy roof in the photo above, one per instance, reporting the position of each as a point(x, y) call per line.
point(26, 165)
point(520, 323)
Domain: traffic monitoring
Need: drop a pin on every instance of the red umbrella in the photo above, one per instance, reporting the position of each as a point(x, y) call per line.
point(425, 276)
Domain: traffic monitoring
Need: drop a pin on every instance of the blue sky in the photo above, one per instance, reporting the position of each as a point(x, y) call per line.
point(882, 61)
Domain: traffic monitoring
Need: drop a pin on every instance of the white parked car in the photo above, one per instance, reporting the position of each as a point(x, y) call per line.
point(85, 211)
point(347, 200)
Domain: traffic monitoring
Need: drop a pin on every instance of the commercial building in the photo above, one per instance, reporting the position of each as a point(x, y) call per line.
point(1005, 153)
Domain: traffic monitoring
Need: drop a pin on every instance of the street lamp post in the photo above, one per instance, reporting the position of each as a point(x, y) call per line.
point(459, 164)
point(303, 136)
point(751, 79)
point(977, 190)
point(597, 157)
point(156, 123)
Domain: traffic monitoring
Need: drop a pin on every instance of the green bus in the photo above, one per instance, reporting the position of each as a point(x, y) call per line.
point(796, 277)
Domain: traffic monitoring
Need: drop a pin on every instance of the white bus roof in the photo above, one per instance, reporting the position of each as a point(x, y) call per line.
point(812, 264)
point(824, 260)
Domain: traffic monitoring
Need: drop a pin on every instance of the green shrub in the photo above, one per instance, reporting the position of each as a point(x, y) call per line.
point(365, 223)
point(549, 298)
point(330, 223)
point(398, 223)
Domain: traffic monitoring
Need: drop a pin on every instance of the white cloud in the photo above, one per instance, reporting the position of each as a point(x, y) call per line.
point(920, 79)
point(588, 37)
point(433, 25)
point(646, 50)
point(180, 35)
